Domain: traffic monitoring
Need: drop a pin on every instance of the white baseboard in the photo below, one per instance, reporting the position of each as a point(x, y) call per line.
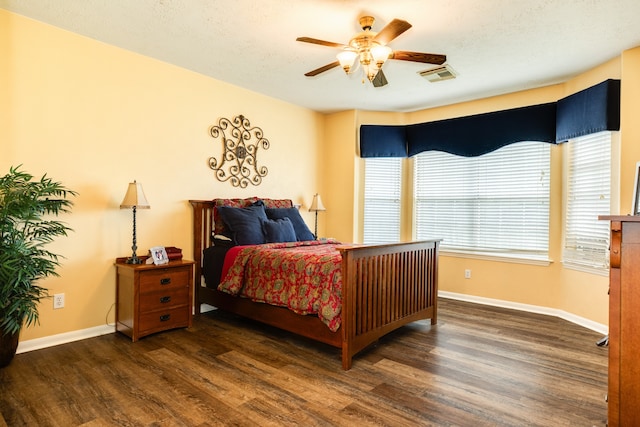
point(67, 337)
point(589, 324)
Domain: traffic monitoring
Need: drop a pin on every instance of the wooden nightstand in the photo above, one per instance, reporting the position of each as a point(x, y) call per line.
point(152, 298)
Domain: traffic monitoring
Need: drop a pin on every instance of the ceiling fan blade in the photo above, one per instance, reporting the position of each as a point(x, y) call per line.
point(392, 30)
point(322, 69)
point(427, 58)
point(379, 80)
point(320, 42)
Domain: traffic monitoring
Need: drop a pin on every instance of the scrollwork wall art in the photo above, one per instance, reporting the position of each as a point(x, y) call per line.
point(240, 144)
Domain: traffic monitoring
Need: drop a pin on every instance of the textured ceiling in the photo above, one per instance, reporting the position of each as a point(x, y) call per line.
point(496, 46)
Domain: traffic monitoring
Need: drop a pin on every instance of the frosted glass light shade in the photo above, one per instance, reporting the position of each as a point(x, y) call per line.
point(380, 54)
point(346, 59)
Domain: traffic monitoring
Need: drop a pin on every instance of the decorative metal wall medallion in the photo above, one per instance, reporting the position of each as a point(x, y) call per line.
point(240, 144)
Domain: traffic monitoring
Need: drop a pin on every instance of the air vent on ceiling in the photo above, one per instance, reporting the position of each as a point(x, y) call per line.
point(439, 74)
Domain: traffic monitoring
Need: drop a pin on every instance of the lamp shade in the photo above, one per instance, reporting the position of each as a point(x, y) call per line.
point(316, 205)
point(135, 197)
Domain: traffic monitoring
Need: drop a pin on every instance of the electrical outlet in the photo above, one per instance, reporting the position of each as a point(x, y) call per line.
point(58, 301)
point(467, 274)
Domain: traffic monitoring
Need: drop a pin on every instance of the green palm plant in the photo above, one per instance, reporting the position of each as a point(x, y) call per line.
point(27, 210)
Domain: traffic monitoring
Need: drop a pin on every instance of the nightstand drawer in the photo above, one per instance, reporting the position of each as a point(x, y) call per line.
point(168, 298)
point(163, 279)
point(164, 319)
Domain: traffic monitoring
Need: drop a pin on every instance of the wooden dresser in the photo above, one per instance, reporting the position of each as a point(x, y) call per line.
point(624, 321)
point(153, 298)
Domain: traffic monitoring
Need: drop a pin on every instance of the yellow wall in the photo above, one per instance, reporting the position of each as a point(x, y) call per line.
point(338, 176)
point(96, 117)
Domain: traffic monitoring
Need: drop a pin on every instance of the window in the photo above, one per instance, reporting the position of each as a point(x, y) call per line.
point(497, 203)
point(382, 193)
point(588, 195)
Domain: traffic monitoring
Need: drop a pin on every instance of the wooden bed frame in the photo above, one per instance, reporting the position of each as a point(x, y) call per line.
point(383, 288)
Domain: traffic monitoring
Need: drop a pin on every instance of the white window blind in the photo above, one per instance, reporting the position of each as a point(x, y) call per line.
point(588, 195)
point(382, 193)
point(497, 203)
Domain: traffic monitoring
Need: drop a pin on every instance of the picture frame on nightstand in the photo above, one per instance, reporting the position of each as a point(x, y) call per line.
point(159, 255)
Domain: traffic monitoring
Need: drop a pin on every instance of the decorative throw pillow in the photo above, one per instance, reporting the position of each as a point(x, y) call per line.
point(278, 230)
point(219, 226)
point(302, 231)
point(245, 223)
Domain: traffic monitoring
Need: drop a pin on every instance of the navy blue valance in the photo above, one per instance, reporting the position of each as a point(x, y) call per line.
point(383, 141)
point(465, 136)
point(592, 110)
point(482, 133)
point(589, 111)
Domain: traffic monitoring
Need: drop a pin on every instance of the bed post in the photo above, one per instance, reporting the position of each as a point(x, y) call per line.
point(202, 227)
point(348, 310)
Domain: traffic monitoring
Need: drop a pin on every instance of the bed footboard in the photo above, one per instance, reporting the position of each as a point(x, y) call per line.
point(385, 287)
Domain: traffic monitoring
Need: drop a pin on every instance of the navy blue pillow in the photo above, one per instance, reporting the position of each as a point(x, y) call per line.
point(278, 230)
point(302, 231)
point(245, 223)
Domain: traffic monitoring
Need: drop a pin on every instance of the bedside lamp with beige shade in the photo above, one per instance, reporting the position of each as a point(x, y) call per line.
point(316, 206)
point(135, 199)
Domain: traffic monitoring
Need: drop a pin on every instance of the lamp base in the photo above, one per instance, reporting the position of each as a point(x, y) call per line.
point(134, 260)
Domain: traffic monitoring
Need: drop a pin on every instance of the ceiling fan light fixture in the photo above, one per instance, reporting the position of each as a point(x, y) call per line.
point(371, 50)
point(346, 59)
point(380, 54)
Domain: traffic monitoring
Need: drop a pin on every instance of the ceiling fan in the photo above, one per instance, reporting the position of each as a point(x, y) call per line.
point(371, 50)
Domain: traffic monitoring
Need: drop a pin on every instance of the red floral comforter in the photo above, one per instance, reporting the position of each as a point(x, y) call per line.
point(303, 276)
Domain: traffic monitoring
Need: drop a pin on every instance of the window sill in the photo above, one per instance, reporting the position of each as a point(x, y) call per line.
point(584, 269)
point(515, 258)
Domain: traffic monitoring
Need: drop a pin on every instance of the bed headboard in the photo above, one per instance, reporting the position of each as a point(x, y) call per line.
point(206, 223)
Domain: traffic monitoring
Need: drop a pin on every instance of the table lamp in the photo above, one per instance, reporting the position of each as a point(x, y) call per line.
point(316, 206)
point(135, 199)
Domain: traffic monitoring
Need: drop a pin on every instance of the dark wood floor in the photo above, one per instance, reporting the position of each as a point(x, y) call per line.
point(480, 366)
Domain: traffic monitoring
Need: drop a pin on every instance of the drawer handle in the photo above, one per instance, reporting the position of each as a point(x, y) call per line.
point(165, 317)
point(165, 299)
point(165, 281)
